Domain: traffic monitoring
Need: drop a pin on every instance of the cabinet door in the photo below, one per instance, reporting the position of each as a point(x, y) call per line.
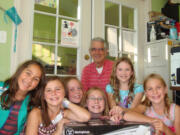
point(156, 54)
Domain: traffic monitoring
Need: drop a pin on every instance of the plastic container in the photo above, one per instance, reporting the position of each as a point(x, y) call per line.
point(178, 30)
point(173, 33)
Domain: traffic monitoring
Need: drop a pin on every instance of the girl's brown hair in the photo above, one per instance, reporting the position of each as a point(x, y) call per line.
point(147, 102)
point(89, 91)
point(8, 96)
point(44, 108)
point(114, 82)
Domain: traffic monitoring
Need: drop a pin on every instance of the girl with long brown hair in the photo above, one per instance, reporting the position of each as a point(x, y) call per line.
point(122, 90)
point(18, 97)
point(55, 110)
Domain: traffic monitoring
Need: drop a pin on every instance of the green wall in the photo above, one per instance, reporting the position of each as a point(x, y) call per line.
point(158, 4)
point(5, 48)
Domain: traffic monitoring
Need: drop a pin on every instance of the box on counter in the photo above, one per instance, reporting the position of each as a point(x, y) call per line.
point(107, 127)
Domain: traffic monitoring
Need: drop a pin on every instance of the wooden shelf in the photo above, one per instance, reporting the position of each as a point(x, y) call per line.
point(175, 88)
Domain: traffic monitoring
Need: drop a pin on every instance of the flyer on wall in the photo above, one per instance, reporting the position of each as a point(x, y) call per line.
point(69, 33)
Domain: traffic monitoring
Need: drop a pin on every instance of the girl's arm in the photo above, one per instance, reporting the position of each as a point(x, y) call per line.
point(111, 100)
point(33, 122)
point(76, 113)
point(132, 115)
point(139, 109)
point(177, 119)
point(136, 117)
point(137, 99)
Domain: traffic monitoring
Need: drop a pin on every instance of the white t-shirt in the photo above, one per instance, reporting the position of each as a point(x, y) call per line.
point(99, 70)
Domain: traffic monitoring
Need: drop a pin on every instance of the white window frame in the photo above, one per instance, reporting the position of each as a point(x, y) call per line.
point(135, 30)
point(56, 44)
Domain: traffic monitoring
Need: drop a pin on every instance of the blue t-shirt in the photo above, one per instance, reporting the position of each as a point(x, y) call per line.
point(126, 100)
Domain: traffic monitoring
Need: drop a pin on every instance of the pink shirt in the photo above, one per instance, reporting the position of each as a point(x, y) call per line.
point(90, 76)
point(169, 122)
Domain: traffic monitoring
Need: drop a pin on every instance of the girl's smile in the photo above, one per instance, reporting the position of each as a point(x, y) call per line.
point(124, 72)
point(95, 102)
point(75, 92)
point(54, 93)
point(155, 90)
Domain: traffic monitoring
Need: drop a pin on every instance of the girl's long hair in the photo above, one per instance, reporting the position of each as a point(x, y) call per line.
point(8, 97)
point(44, 108)
point(147, 102)
point(114, 82)
point(88, 92)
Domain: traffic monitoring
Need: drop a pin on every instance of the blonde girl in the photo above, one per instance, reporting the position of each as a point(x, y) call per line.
point(74, 90)
point(122, 90)
point(95, 101)
point(156, 105)
point(49, 118)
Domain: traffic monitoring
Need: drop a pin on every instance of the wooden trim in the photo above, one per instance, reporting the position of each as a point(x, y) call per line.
point(175, 88)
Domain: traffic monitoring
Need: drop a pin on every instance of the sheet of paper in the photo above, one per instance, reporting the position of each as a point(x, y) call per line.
point(112, 40)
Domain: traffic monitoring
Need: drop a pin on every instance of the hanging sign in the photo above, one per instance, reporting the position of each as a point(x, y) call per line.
point(69, 33)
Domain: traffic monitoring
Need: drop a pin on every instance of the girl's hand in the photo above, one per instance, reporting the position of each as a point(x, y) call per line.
point(159, 125)
point(158, 132)
point(60, 125)
point(116, 110)
point(116, 118)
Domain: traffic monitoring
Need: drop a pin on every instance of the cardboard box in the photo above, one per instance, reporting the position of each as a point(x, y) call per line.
point(106, 127)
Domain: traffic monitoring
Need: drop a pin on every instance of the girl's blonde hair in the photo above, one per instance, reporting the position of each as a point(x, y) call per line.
point(114, 82)
point(89, 91)
point(147, 102)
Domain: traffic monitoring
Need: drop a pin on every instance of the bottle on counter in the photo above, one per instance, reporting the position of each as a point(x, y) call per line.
point(153, 34)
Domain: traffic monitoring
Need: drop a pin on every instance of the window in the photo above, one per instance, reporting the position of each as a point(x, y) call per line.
point(120, 30)
point(59, 58)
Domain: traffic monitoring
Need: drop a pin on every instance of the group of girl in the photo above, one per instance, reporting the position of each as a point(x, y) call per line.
point(28, 91)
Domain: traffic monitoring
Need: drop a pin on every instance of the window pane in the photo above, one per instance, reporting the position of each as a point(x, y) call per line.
point(128, 41)
point(111, 13)
point(46, 5)
point(44, 28)
point(129, 56)
point(111, 37)
point(68, 8)
point(127, 17)
point(70, 29)
point(67, 58)
point(45, 55)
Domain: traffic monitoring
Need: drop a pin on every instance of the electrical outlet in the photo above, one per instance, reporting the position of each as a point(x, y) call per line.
point(3, 36)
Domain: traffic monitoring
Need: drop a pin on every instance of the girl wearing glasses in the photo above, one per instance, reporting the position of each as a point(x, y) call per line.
point(96, 102)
